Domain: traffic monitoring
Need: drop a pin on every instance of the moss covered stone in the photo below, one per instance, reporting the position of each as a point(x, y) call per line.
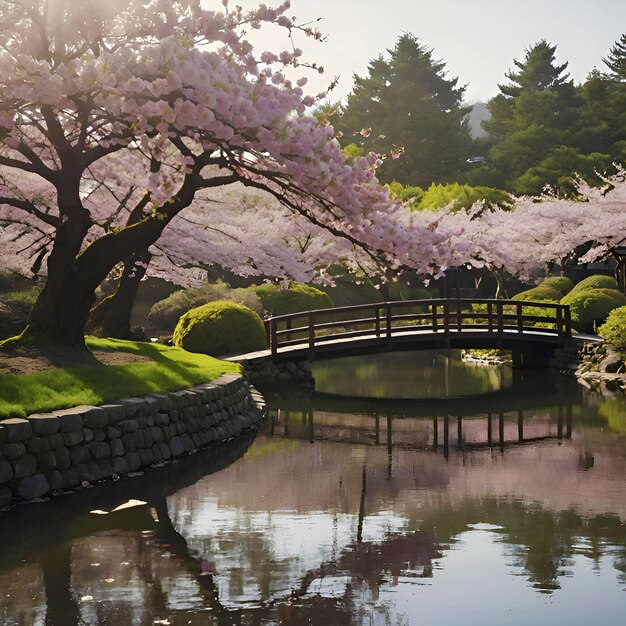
point(220, 328)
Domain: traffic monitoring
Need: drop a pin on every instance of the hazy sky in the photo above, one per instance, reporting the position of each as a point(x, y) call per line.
point(477, 39)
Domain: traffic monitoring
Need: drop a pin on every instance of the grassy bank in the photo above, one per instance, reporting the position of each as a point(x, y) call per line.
point(117, 369)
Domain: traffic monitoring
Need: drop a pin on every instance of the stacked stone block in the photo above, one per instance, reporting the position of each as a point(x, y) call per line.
point(60, 450)
point(264, 371)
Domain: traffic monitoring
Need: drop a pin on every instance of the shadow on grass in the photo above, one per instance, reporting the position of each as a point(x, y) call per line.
point(71, 377)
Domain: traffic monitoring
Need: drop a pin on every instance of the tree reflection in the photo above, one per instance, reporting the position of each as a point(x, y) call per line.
point(374, 475)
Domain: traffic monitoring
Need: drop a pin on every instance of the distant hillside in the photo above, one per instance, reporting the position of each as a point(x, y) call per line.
point(478, 113)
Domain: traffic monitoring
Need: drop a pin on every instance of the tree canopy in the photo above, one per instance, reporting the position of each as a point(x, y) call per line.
point(116, 118)
point(534, 113)
point(616, 60)
point(406, 104)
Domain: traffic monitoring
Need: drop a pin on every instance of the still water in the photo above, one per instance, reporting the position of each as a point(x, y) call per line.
point(507, 507)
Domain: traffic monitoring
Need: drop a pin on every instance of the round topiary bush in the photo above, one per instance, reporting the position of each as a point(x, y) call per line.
point(561, 284)
point(277, 301)
point(598, 281)
point(589, 308)
point(220, 328)
point(614, 329)
point(539, 294)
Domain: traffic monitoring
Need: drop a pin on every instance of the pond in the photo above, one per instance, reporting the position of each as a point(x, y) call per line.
point(507, 507)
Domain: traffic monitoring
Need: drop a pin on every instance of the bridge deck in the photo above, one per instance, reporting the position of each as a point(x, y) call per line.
point(534, 329)
point(476, 337)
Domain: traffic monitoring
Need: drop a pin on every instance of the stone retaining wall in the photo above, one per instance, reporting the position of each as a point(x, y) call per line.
point(60, 450)
point(267, 372)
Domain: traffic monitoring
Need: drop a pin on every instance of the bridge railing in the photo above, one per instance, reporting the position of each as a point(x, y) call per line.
point(392, 319)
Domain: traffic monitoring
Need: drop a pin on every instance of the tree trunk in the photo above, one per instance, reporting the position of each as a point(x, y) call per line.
point(62, 309)
point(59, 314)
point(500, 285)
point(111, 318)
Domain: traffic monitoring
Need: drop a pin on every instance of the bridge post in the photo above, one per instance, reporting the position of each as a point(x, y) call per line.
point(377, 320)
point(490, 316)
point(446, 322)
point(433, 310)
point(388, 324)
point(568, 421)
point(270, 331)
point(568, 321)
point(311, 355)
point(520, 319)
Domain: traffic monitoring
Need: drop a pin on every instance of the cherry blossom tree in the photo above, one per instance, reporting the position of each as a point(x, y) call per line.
point(536, 233)
point(247, 231)
point(174, 98)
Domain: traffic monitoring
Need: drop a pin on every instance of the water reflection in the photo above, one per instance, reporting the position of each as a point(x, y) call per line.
point(347, 512)
point(437, 434)
point(414, 374)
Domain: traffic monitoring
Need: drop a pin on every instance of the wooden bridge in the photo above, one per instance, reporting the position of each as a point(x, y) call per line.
point(532, 330)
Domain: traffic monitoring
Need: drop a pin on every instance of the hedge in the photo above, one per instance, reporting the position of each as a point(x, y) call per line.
point(539, 294)
point(296, 298)
point(591, 307)
point(561, 284)
point(597, 281)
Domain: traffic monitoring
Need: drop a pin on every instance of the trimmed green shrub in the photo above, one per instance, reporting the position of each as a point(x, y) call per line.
point(220, 328)
point(539, 294)
point(298, 297)
point(12, 281)
point(617, 296)
point(561, 284)
point(598, 281)
point(15, 305)
point(511, 309)
point(166, 313)
point(23, 296)
point(614, 329)
point(399, 291)
point(350, 289)
point(590, 307)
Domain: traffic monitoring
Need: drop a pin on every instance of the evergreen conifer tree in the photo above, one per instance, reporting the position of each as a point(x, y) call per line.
point(406, 101)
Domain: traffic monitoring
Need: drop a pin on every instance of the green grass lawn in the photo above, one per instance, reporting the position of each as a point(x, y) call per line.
point(92, 383)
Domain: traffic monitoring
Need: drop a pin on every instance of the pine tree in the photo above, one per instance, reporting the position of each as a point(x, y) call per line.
point(533, 114)
point(406, 101)
point(537, 72)
point(616, 61)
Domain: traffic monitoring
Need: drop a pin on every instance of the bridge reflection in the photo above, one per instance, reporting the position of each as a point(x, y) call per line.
point(437, 434)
